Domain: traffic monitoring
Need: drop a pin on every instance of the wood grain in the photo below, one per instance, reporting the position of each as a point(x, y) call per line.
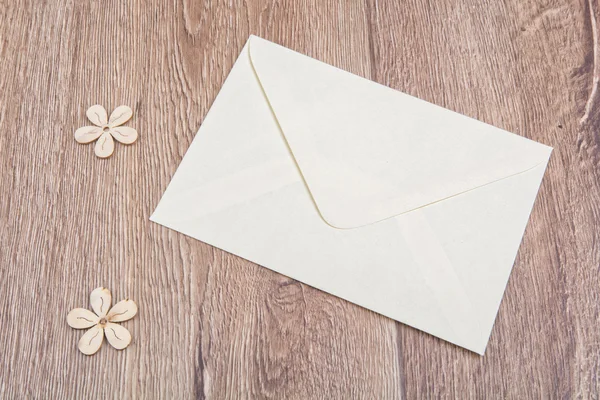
point(211, 325)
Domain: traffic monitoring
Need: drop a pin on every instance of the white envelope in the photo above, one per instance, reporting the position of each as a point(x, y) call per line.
point(395, 204)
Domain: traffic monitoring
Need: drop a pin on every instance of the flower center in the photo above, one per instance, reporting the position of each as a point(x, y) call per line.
point(103, 321)
point(106, 129)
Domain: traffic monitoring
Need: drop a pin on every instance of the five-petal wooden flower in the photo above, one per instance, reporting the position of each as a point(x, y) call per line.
point(106, 129)
point(103, 322)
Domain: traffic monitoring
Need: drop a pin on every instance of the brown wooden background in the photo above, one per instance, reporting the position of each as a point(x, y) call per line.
point(214, 326)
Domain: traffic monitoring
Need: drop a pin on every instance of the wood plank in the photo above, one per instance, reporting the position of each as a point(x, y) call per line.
point(211, 325)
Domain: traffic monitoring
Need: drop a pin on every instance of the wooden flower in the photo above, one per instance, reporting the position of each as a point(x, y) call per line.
point(106, 129)
point(102, 323)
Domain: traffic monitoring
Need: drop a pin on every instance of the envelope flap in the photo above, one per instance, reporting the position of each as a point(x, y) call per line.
point(368, 152)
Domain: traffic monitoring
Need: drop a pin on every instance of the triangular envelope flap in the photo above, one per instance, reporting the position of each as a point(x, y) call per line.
point(368, 152)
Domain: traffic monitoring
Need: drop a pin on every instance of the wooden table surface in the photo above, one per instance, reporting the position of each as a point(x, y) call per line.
point(214, 326)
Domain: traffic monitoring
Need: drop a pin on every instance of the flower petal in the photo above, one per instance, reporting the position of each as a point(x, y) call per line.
point(124, 134)
point(118, 336)
point(121, 115)
point(87, 134)
point(100, 299)
point(122, 311)
point(80, 318)
point(97, 114)
point(91, 341)
point(105, 146)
